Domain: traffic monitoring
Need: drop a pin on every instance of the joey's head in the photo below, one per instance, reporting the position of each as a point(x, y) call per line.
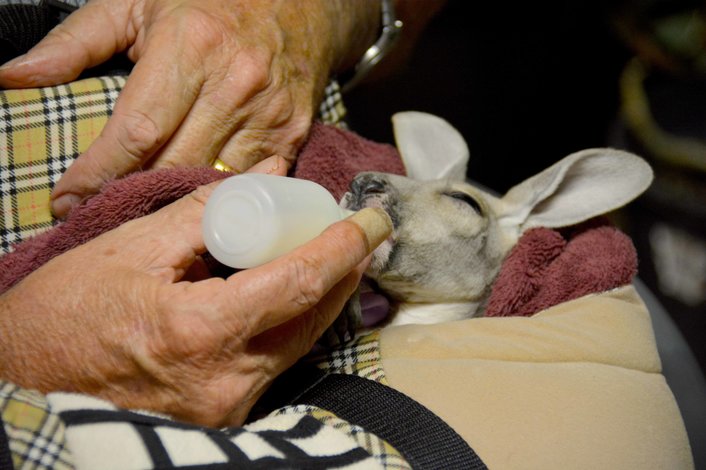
point(445, 246)
point(450, 238)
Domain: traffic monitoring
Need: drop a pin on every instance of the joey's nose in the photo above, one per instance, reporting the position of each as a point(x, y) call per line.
point(368, 183)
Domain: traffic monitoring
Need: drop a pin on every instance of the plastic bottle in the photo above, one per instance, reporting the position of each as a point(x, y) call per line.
point(253, 218)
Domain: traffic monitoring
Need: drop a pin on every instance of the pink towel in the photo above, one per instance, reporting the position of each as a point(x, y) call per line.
point(544, 269)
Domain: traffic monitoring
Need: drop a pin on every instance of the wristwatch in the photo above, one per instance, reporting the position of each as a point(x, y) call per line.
point(391, 29)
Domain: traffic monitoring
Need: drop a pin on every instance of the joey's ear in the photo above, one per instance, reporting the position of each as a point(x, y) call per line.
point(583, 185)
point(430, 147)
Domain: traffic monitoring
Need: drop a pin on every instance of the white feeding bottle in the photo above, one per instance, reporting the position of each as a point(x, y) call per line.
point(253, 218)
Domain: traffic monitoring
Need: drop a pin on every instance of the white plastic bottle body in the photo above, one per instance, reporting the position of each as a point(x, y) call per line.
point(252, 218)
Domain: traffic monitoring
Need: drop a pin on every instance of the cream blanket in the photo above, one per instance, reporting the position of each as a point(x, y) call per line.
point(575, 386)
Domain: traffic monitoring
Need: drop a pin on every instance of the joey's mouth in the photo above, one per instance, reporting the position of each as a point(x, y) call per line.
point(353, 201)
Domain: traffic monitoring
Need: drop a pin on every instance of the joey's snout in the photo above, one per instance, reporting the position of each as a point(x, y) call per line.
point(368, 190)
point(375, 190)
point(367, 184)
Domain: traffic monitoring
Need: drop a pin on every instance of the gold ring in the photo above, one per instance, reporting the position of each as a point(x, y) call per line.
point(220, 165)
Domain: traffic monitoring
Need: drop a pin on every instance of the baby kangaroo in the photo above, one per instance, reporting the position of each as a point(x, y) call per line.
point(450, 237)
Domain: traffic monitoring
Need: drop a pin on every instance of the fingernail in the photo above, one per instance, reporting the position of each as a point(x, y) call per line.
point(375, 223)
point(275, 164)
point(62, 205)
point(268, 166)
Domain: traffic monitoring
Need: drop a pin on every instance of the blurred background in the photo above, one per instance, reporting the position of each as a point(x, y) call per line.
point(527, 83)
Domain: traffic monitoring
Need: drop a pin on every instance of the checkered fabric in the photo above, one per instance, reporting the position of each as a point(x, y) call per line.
point(43, 130)
point(289, 438)
point(67, 3)
point(42, 430)
point(332, 110)
point(359, 357)
point(386, 455)
point(36, 435)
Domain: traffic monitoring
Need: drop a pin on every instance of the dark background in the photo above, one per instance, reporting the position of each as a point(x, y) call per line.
point(527, 83)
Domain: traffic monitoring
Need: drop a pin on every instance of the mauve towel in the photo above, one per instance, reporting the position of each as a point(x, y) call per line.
point(544, 269)
point(547, 267)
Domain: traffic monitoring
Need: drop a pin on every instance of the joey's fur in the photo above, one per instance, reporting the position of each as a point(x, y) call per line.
point(443, 250)
point(450, 238)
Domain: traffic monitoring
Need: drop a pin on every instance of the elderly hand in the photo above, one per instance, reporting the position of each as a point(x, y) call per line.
point(236, 79)
point(117, 318)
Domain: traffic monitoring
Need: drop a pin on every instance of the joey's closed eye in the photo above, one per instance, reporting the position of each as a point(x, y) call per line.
point(466, 198)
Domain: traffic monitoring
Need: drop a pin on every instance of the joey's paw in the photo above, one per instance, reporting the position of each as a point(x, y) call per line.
point(346, 325)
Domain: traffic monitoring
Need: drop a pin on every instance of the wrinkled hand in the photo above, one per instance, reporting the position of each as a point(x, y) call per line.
point(116, 318)
point(237, 79)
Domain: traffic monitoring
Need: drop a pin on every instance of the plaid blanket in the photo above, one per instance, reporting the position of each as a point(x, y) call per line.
point(36, 435)
point(42, 131)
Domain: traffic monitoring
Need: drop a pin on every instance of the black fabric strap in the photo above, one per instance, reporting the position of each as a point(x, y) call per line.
point(423, 438)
